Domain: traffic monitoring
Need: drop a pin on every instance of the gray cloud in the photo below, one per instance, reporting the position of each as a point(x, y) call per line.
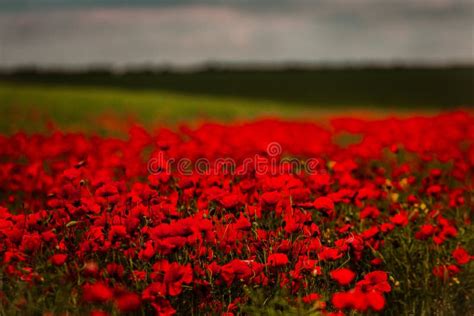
point(328, 31)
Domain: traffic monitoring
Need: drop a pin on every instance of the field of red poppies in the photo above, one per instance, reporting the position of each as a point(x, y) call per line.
point(267, 217)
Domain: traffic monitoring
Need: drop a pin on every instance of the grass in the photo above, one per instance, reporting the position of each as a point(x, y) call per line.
point(101, 101)
point(400, 87)
point(29, 107)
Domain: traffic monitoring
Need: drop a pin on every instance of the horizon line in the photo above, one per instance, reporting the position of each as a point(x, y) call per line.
point(232, 66)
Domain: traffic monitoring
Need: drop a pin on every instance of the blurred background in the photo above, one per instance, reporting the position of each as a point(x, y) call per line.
point(93, 65)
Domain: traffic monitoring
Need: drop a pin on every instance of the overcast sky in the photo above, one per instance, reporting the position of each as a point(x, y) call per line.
point(85, 32)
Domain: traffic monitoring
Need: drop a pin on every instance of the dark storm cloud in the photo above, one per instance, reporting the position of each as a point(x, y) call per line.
point(80, 32)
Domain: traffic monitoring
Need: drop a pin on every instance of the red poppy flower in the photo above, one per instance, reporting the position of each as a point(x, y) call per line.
point(96, 293)
point(154, 291)
point(375, 300)
point(369, 212)
point(117, 231)
point(231, 200)
point(376, 280)
point(58, 259)
point(348, 300)
point(270, 198)
point(310, 298)
point(400, 219)
point(324, 203)
point(128, 302)
point(277, 260)
point(343, 276)
point(115, 270)
point(425, 231)
point(240, 270)
point(329, 254)
point(376, 261)
point(31, 242)
point(243, 223)
point(163, 307)
point(175, 276)
point(445, 271)
point(461, 255)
